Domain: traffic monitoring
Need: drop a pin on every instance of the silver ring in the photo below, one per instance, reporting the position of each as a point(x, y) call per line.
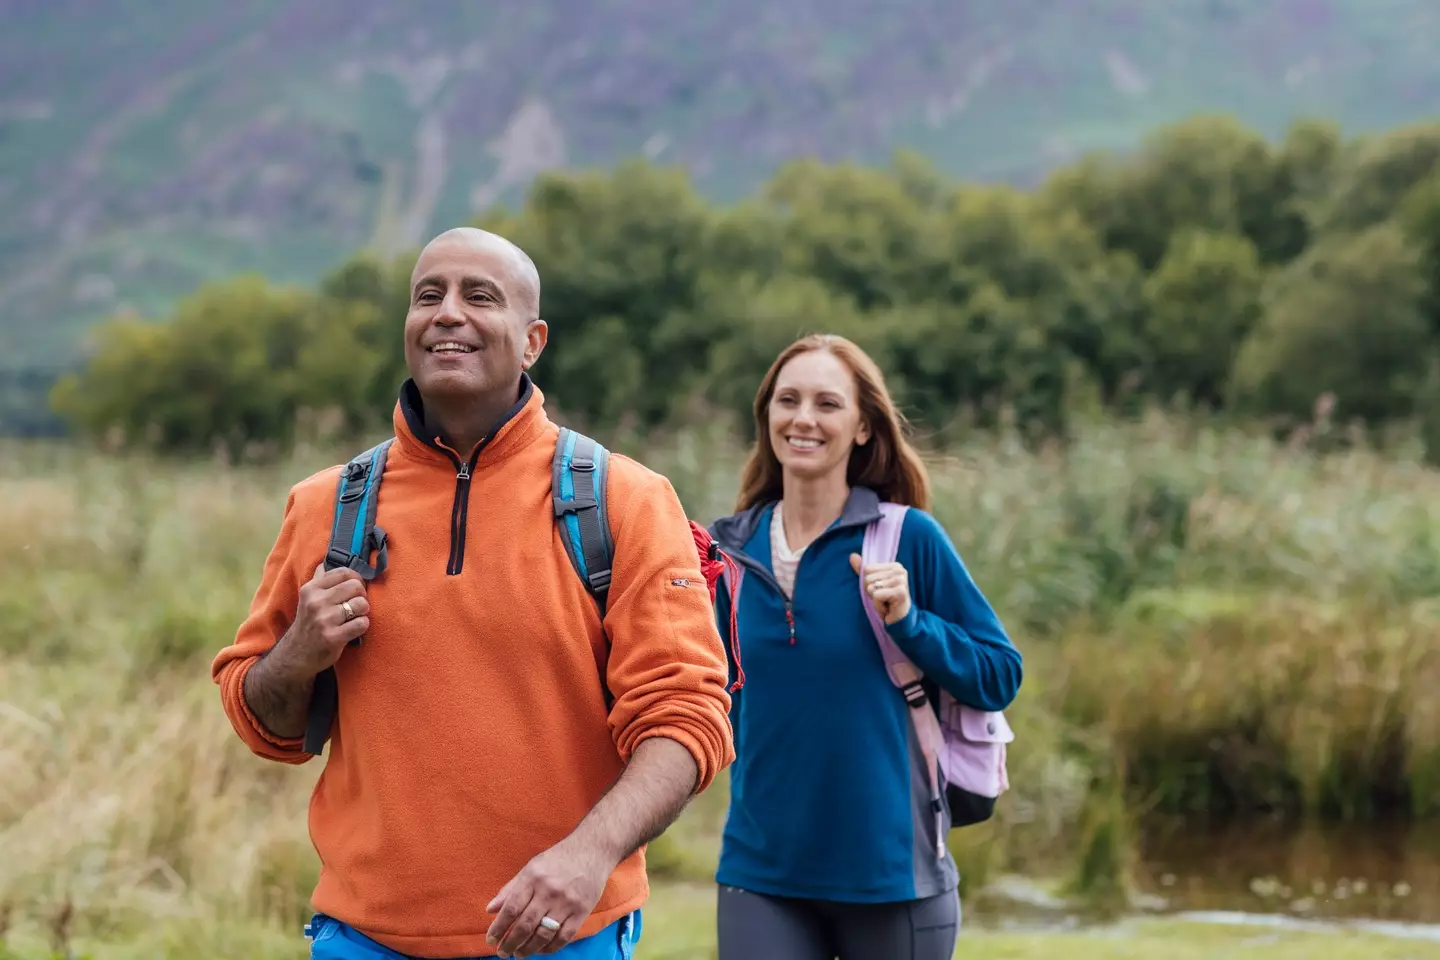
point(349, 610)
point(550, 923)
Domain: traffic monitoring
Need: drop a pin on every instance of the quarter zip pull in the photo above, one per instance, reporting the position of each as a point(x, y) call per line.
point(460, 508)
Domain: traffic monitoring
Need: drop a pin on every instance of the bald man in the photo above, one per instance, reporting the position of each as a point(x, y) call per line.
point(503, 748)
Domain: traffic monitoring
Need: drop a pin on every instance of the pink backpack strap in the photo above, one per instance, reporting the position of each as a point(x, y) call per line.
point(881, 544)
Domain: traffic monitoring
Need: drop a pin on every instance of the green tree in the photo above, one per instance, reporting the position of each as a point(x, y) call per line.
point(1345, 319)
point(1209, 173)
point(1419, 217)
point(1201, 302)
point(866, 234)
point(1050, 269)
point(366, 330)
point(1380, 173)
point(1307, 163)
point(223, 370)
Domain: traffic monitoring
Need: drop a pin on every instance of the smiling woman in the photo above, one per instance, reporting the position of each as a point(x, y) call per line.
point(822, 739)
point(823, 393)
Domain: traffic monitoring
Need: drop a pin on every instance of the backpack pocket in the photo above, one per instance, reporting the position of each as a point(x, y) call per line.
point(972, 762)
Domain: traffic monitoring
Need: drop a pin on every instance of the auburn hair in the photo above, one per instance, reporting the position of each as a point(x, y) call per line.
point(887, 463)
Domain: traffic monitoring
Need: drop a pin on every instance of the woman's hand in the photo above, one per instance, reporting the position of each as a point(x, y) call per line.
point(888, 585)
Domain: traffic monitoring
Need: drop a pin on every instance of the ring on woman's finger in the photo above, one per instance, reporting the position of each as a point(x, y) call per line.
point(349, 610)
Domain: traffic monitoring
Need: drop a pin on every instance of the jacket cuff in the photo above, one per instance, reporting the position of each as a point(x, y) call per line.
point(907, 626)
point(711, 752)
point(248, 726)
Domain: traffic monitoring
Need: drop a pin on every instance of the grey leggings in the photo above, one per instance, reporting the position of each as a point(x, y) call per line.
point(754, 926)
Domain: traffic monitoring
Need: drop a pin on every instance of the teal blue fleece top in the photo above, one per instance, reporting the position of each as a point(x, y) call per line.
point(828, 791)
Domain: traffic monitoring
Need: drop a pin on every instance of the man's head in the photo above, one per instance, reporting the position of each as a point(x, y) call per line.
point(474, 319)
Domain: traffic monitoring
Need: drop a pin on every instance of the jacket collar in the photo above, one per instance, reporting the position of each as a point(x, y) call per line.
point(521, 424)
point(862, 507)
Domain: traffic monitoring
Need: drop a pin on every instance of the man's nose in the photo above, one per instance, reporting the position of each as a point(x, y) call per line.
point(449, 312)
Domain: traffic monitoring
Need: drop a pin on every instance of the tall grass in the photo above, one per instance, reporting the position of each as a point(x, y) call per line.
point(1214, 623)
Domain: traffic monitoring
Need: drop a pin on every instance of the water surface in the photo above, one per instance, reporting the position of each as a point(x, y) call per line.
point(1321, 872)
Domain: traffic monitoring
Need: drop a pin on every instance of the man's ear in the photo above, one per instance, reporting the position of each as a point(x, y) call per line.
point(537, 334)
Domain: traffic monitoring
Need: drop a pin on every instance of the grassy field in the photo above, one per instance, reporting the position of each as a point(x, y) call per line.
point(1212, 623)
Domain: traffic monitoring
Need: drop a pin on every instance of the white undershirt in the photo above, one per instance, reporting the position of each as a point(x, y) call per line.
point(782, 558)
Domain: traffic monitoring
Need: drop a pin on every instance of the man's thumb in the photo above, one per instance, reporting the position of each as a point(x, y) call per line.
point(856, 563)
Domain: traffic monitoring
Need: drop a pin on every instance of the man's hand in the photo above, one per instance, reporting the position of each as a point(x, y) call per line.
point(888, 585)
point(565, 882)
point(278, 687)
point(332, 611)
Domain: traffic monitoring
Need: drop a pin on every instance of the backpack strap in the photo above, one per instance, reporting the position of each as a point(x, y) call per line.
point(354, 535)
point(881, 544)
point(579, 470)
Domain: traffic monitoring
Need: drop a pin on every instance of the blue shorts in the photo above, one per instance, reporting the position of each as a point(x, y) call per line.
point(332, 940)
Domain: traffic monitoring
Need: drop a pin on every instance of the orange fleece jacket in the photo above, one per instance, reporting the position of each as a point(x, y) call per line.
point(472, 731)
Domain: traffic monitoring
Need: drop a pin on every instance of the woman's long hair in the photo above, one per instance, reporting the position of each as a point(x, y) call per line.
point(886, 464)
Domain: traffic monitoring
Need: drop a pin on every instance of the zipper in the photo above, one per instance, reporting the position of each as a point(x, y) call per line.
point(754, 566)
point(460, 506)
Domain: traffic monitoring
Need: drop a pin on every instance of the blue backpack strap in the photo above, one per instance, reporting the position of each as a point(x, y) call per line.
point(354, 536)
point(579, 470)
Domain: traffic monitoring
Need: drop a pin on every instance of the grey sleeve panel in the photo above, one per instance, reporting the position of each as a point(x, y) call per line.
point(933, 875)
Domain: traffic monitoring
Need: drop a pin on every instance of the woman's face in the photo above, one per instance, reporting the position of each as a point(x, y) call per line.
point(815, 415)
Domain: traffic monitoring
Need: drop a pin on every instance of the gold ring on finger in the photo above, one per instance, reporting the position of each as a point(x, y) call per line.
point(349, 610)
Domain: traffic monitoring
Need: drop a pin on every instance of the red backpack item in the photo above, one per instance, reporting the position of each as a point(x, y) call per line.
point(714, 563)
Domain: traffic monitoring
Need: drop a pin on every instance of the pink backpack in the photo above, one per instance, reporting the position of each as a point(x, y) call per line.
point(964, 748)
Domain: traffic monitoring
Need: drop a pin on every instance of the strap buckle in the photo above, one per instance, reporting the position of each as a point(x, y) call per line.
point(335, 557)
point(563, 507)
point(599, 580)
point(914, 694)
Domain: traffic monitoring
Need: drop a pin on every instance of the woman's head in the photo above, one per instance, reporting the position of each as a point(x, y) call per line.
point(822, 409)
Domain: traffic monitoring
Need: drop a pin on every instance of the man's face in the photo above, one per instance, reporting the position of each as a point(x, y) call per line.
point(469, 330)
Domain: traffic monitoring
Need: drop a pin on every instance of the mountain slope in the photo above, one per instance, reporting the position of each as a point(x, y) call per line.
point(148, 145)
